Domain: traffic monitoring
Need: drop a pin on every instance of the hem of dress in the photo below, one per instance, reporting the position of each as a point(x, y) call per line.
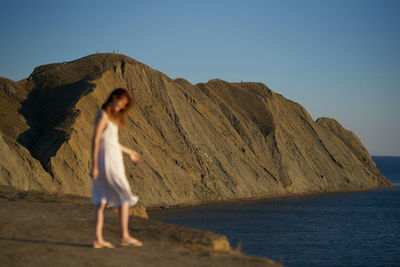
point(132, 203)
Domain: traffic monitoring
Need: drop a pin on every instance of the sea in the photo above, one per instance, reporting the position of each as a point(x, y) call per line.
point(335, 229)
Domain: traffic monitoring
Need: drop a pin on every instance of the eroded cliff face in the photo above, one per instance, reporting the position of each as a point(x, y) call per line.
point(198, 143)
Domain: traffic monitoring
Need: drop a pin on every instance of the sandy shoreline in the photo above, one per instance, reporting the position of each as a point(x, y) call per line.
point(251, 199)
point(38, 228)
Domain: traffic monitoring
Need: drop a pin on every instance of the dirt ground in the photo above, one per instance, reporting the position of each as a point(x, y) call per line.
point(40, 229)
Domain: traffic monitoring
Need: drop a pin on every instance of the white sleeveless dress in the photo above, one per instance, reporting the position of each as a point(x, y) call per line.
point(112, 185)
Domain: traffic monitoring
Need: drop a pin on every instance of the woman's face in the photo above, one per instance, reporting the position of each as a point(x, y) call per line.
point(119, 103)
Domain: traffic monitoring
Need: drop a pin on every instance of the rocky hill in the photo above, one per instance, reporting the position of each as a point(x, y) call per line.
point(206, 142)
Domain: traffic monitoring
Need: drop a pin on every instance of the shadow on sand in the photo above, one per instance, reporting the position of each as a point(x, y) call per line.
point(46, 242)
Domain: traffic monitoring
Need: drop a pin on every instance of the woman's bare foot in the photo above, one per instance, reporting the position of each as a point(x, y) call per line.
point(130, 241)
point(102, 244)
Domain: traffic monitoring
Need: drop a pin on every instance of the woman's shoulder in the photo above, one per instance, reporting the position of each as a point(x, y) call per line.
point(101, 115)
point(102, 112)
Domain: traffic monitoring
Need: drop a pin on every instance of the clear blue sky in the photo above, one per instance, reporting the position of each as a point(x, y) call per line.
point(338, 59)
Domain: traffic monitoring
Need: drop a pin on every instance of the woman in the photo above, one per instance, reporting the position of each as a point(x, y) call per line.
point(110, 185)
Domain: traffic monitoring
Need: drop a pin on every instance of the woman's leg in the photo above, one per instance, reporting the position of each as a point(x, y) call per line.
point(124, 218)
point(98, 241)
point(99, 216)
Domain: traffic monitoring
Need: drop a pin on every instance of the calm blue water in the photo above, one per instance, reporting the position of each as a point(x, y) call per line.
point(343, 229)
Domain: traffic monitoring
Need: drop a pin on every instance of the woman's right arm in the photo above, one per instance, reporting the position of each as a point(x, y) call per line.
point(99, 128)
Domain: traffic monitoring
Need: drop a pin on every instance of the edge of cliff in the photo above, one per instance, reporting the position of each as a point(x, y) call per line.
point(49, 229)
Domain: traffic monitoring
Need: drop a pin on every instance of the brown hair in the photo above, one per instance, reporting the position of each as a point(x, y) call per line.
point(120, 116)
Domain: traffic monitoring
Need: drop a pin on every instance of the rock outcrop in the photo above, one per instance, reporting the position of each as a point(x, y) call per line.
point(206, 142)
point(52, 229)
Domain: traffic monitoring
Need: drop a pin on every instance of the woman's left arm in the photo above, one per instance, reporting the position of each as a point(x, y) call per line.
point(133, 155)
point(125, 149)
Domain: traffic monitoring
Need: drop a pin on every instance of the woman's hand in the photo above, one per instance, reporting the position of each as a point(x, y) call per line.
point(94, 173)
point(134, 156)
